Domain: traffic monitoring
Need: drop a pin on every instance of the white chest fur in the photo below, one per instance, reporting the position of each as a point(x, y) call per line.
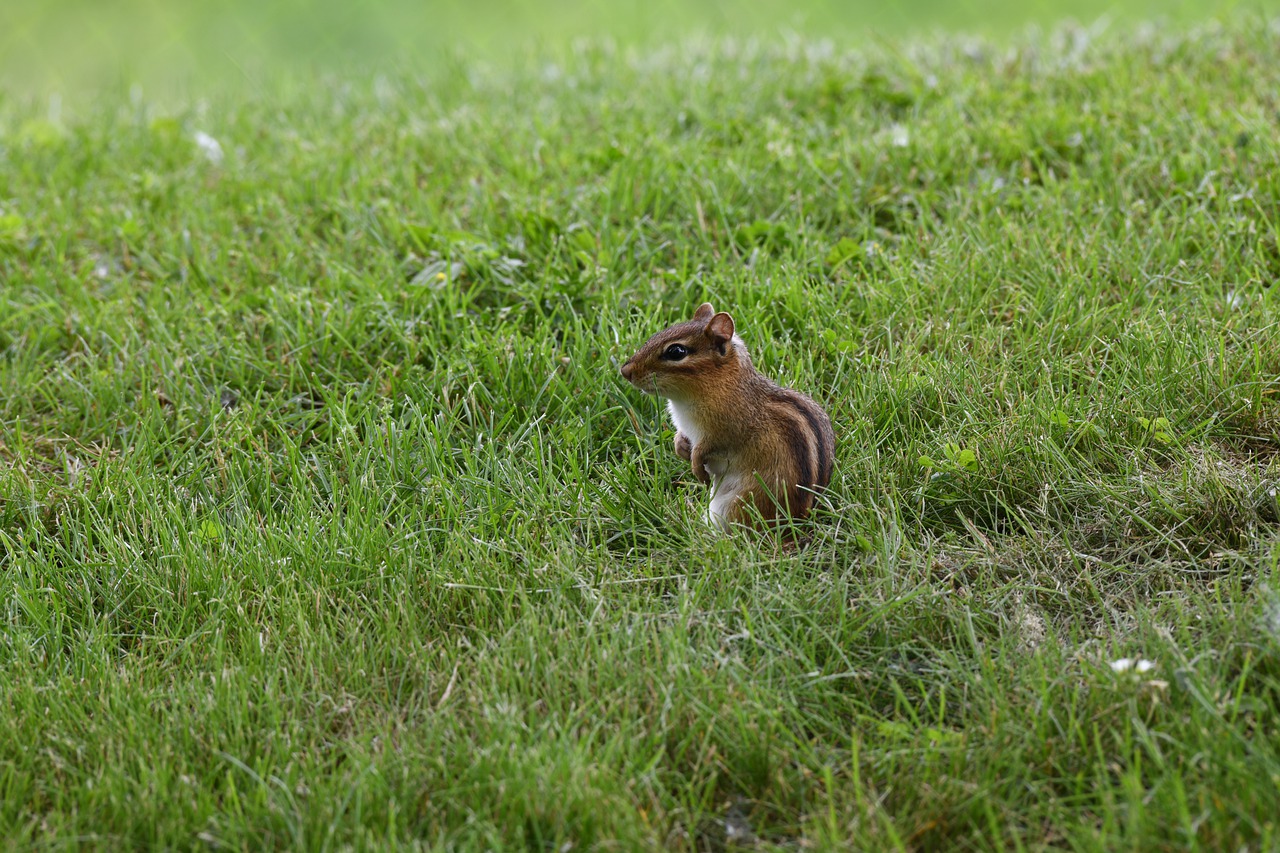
point(682, 417)
point(723, 488)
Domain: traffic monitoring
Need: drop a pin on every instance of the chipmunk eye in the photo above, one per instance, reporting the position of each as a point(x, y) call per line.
point(675, 352)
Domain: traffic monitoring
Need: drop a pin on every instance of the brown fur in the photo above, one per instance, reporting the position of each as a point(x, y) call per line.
point(771, 448)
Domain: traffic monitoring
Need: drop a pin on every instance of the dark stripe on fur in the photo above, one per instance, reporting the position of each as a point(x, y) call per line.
point(820, 439)
point(799, 442)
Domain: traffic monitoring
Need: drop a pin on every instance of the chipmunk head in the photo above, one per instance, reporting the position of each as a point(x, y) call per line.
point(687, 359)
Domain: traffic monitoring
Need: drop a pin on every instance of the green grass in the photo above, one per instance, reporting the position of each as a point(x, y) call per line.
point(326, 520)
point(169, 47)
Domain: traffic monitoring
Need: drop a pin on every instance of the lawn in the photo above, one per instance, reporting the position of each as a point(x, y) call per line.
point(326, 520)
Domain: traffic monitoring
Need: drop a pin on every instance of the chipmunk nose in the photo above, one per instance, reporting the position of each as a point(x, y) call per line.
point(627, 370)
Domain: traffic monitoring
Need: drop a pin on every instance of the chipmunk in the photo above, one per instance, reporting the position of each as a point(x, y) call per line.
point(761, 447)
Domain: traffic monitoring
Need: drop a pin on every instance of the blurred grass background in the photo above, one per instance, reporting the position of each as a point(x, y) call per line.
point(177, 46)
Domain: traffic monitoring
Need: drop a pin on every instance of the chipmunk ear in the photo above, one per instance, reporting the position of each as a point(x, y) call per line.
point(704, 311)
point(720, 330)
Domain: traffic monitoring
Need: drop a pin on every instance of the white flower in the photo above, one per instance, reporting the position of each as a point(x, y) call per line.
point(1137, 665)
point(209, 147)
